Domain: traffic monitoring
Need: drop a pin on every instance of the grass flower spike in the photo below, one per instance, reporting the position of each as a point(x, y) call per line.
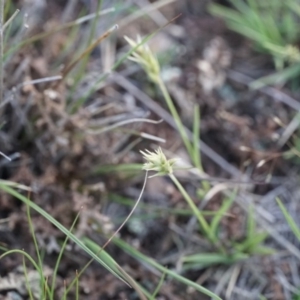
point(144, 56)
point(157, 161)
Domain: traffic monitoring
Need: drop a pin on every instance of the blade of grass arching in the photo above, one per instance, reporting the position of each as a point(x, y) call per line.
point(113, 265)
point(278, 77)
point(147, 260)
point(106, 169)
point(161, 281)
point(60, 256)
point(99, 251)
point(22, 252)
point(294, 227)
point(218, 217)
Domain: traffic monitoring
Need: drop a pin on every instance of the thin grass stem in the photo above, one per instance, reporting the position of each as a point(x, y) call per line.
point(196, 211)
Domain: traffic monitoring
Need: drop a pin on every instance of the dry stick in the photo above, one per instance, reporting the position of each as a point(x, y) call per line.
point(89, 49)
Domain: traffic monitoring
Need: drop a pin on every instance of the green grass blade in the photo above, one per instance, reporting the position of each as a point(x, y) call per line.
point(27, 284)
point(60, 256)
point(99, 251)
point(218, 217)
point(161, 281)
point(250, 244)
point(294, 227)
point(112, 267)
point(36, 246)
point(206, 259)
point(147, 260)
point(196, 136)
point(251, 226)
point(105, 169)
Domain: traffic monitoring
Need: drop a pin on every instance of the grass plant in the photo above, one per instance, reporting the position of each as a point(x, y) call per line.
point(155, 161)
point(273, 27)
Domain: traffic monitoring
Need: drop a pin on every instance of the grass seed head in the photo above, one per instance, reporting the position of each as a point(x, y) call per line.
point(144, 57)
point(157, 161)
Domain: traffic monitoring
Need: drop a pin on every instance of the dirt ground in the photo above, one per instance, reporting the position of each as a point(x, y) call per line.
point(54, 152)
